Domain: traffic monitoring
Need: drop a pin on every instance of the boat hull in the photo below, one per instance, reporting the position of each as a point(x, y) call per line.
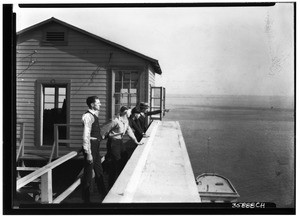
point(215, 188)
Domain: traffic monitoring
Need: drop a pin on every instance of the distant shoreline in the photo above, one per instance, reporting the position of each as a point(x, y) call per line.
point(232, 101)
point(223, 95)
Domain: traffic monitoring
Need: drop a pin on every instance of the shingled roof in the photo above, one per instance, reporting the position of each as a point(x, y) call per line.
point(152, 61)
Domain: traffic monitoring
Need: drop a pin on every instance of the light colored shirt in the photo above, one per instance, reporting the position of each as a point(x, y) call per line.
point(87, 120)
point(117, 128)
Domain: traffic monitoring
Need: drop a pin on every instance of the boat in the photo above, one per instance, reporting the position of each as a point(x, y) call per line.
point(215, 188)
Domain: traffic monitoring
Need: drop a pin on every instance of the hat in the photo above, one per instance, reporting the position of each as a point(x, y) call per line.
point(123, 109)
point(144, 105)
point(135, 110)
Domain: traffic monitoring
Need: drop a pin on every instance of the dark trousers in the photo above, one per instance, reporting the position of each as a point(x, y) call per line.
point(88, 173)
point(118, 160)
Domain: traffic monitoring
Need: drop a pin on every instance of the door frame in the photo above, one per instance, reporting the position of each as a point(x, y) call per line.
point(162, 103)
point(39, 106)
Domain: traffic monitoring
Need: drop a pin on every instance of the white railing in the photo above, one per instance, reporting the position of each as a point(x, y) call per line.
point(45, 173)
point(20, 152)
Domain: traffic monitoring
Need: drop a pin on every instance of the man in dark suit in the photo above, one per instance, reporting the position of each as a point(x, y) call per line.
point(135, 124)
point(143, 108)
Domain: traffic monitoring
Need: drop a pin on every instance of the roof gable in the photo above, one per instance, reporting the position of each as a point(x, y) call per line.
point(152, 61)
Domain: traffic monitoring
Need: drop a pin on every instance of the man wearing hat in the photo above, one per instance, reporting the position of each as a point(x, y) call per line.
point(143, 107)
point(115, 130)
point(135, 124)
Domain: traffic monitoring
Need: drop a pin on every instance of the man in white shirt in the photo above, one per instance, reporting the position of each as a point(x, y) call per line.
point(115, 130)
point(91, 148)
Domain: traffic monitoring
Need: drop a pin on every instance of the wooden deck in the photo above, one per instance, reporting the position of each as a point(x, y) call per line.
point(158, 171)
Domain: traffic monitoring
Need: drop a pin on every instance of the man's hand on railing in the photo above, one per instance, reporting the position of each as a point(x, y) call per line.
point(145, 135)
point(140, 143)
point(89, 158)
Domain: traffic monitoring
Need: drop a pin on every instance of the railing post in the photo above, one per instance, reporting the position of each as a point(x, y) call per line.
point(20, 152)
point(46, 187)
point(56, 137)
point(161, 103)
point(23, 139)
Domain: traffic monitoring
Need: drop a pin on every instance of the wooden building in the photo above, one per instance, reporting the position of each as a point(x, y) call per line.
point(60, 65)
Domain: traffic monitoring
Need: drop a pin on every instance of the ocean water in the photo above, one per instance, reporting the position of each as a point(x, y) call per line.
point(251, 142)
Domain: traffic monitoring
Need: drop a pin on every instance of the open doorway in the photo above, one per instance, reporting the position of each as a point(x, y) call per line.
point(54, 109)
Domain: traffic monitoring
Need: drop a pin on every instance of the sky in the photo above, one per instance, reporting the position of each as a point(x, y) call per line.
point(201, 50)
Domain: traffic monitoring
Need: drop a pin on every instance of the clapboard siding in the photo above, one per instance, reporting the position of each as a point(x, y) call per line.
point(71, 69)
point(56, 63)
point(25, 108)
point(24, 97)
point(24, 102)
point(151, 76)
point(47, 50)
point(44, 53)
point(60, 76)
point(27, 111)
point(24, 92)
point(86, 45)
point(96, 56)
point(60, 61)
point(23, 83)
point(85, 63)
point(24, 88)
point(47, 74)
point(142, 85)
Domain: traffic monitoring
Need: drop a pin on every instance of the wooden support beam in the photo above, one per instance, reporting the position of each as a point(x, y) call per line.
point(46, 188)
point(23, 139)
point(27, 168)
point(20, 152)
point(52, 152)
point(56, 137)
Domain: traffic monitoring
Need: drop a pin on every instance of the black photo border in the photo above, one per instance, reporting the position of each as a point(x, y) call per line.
point(9, 132)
